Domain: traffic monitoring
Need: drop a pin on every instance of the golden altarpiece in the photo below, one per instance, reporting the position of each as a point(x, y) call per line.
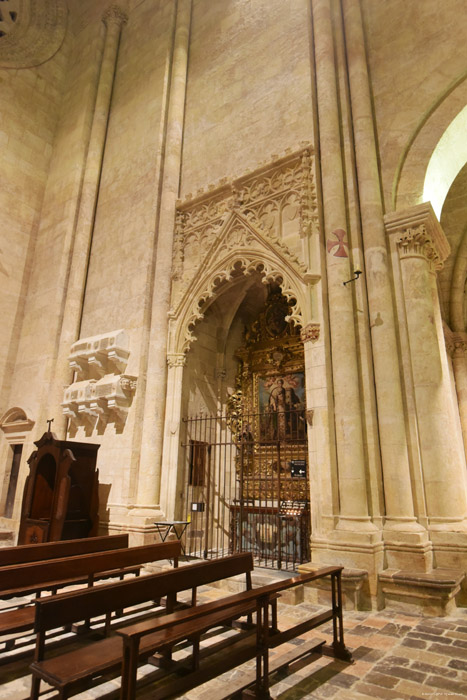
point(268, 422)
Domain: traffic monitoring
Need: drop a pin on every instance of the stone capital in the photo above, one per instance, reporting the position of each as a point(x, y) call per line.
point(418, 233)
point(310, 332)
point(115, 14)
point(176, 359)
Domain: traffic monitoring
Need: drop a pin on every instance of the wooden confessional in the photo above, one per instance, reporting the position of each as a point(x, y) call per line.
point(60, 498)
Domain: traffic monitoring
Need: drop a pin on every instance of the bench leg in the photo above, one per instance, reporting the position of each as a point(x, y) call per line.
point(129, 669)
point(195, 661)
point(35, 687)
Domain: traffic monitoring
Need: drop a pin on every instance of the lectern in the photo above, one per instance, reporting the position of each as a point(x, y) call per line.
point(60, 499)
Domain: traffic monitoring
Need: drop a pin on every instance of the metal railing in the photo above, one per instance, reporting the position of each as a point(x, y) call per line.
point(247, 487)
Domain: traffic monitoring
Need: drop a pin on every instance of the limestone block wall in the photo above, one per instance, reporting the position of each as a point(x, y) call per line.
point(416, 59)
point(119, 281)
point(249, 86)
point(29, 110)
point(76, 64)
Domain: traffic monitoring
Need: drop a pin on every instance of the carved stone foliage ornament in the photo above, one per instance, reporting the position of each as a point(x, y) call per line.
point(417, 232)
point(259, 222)
point(31, 31)
point(115, 14)
point(310, 332)
point(418, 242)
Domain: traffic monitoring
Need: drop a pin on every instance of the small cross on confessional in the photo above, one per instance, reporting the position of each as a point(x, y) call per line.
point(49, 422)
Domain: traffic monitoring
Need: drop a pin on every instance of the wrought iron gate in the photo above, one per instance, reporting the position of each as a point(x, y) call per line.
point(247, 487)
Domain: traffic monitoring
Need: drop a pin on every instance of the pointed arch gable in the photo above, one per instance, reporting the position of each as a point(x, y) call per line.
point(240, 249)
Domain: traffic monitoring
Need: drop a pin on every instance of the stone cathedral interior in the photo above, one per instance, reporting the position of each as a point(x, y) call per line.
point(233, 258)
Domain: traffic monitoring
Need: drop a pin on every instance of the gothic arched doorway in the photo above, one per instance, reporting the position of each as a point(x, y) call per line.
point(246, 484)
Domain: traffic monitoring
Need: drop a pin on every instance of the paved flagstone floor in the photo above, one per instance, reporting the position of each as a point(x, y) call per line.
point(397, 656)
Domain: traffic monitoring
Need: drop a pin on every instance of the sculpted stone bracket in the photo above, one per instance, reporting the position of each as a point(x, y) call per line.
point(109, 398)
point(102, 393)
point(259, 222)
point(100, 354)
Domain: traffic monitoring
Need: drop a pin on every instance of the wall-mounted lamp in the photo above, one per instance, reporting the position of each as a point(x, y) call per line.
point(357, 274)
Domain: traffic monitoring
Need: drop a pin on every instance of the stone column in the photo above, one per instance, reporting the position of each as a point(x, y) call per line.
point(391, 414)
point(149, 477)
point(354, 513)
point(317, 417)
point(170, 452)
point(459, 364)
point(422, 248)
point(114, 18)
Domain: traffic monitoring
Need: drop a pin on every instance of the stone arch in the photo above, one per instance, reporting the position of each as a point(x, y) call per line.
point(15, 424)
point(211, 283)
point(409, 181)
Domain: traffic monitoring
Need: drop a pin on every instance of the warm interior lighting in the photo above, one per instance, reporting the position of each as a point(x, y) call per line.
point(449, 156)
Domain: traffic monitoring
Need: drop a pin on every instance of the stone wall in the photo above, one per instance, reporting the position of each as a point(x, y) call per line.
point(415, 59)
point(249, 87)
point(29, 112)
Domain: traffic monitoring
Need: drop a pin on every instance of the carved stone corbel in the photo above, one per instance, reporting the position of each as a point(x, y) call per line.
point(310, 332)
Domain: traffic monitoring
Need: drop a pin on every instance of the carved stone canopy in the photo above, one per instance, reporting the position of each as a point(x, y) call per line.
point(255, 223)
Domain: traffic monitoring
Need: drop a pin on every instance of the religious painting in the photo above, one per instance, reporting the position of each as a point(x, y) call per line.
point(281, 400)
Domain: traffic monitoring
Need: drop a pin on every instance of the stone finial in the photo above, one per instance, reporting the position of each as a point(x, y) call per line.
point(115, 14)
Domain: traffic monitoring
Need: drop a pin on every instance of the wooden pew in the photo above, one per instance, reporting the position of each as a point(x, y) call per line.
point(73, 670)
point(191, 624)
point(73, 570)
point(27, 553)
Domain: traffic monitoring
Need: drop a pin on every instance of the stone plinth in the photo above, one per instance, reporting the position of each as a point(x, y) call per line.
point(431, 593)
point(355, 588)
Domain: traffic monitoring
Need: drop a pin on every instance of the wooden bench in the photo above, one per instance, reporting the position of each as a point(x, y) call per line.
point(147, 636)
point(75, 570)
point(27, 553)
point(74, 669)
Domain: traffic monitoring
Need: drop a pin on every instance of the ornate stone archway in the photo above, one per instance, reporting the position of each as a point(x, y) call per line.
point(262, 223)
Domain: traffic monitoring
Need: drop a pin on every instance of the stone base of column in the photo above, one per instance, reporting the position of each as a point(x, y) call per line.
point(355, 551)
point(450, 525)
point(356, 524)
point(450, 549)
point(355, 588)
point(138, 521)
point(412, 551)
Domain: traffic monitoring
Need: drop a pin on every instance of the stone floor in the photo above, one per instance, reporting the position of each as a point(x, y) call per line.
point(396, 656)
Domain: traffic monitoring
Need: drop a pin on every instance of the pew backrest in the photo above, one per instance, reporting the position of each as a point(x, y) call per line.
point(28, 553)
point(67, 608)
point(87, 565)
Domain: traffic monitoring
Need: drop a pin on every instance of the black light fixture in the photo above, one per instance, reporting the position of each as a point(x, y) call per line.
point(357, 274)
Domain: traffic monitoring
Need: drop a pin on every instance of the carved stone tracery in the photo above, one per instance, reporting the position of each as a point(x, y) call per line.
point(254, 223)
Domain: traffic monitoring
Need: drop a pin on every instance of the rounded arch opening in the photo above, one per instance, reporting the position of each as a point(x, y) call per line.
point(424, 161)
point(447, 160)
